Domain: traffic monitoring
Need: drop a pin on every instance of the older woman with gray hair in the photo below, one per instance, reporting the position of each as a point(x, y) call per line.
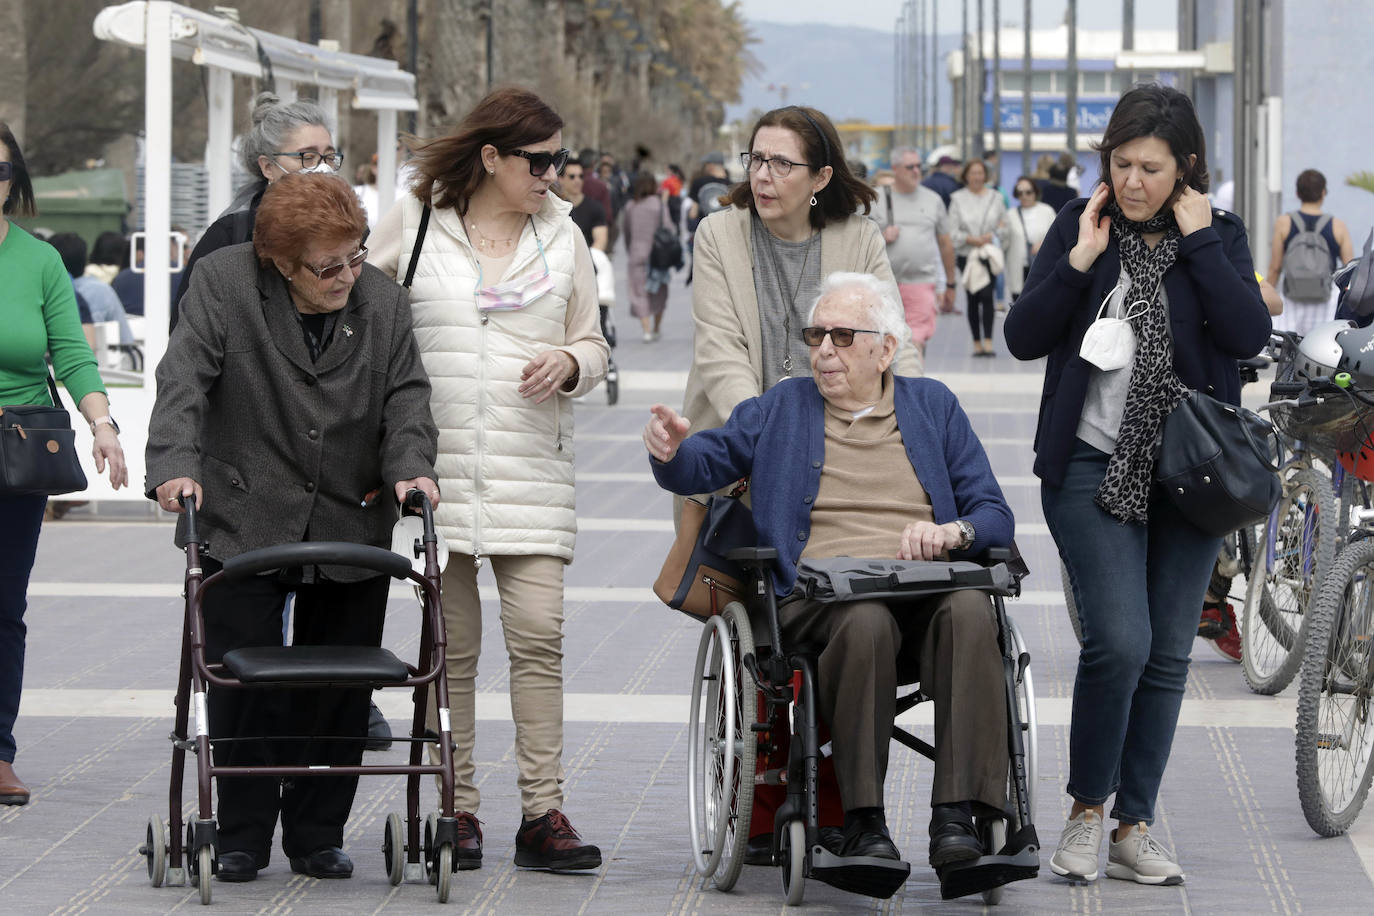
point(285, 137)
point(856, 461)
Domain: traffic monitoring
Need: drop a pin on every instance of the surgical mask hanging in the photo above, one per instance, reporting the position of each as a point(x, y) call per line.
point(1109, 343)
point(319, 168)
point(517, 292)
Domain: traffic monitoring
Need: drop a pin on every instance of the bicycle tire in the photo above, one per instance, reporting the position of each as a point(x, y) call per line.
point(1274, 621)
point(1334, 746)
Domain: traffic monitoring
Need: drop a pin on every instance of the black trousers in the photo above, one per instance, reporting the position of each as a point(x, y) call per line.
point(313, 808)
point(982, 311)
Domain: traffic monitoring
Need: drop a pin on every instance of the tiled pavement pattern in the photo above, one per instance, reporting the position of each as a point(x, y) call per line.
point(103, 635)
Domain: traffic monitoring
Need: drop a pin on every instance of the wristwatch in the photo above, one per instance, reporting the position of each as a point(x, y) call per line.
point(99, 421)
point(966, 529)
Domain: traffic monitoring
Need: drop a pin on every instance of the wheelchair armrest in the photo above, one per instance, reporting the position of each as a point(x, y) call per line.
point(1010, 555)
point(996, 555)
point(753, 557)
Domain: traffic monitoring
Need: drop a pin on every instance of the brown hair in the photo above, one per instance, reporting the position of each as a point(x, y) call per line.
point(1026, 179)
point(19, 201)
point(963, 173)
point(1311, 186)
point(821, 144)
point(1152, 110)
point(644, 185)
point(450, 168)
point(302, 207)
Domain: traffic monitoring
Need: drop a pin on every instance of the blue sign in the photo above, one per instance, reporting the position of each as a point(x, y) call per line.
point(1052, 115)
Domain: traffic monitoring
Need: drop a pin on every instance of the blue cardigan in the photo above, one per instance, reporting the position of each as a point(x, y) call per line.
point(1216, 316)
point(778, 440)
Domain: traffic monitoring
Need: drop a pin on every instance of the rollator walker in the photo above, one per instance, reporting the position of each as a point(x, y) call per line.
point(744, 689)
point(407, 855)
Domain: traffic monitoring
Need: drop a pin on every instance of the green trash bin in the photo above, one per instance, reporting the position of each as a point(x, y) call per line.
point(87, 202)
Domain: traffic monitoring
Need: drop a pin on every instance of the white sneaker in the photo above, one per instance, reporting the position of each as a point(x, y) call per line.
point(1079, 846)
point(1141, 859)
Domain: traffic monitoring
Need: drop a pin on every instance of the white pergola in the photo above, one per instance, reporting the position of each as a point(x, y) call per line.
point(224, 47)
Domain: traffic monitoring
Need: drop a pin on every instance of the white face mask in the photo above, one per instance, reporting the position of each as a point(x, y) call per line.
point(320, 168)
point(1109, 343)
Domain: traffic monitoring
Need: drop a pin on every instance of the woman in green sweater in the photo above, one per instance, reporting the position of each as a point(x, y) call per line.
point(39, 315)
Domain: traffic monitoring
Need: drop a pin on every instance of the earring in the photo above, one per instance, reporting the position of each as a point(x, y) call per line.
point(813, 200)
point(491, 171)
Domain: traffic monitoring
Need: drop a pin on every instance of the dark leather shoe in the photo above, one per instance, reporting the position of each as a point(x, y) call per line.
point(832, 838)
point(469, 842)
point(237, 866)
point(868, 836)
point(551, 842)
point(953, 838)
point(329, 862)
point(12, 791)
point(759, 850)
point(378, 730)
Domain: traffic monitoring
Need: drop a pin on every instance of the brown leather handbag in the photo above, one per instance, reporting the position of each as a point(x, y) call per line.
point(696, 577)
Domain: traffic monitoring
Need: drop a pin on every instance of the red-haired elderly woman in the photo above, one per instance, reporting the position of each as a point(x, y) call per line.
point(291, 356)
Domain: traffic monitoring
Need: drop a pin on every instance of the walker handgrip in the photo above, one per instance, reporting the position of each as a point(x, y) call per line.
point(317, 553)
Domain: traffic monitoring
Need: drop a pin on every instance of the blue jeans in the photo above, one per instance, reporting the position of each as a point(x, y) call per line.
point(21, 517)
point(1139, 591)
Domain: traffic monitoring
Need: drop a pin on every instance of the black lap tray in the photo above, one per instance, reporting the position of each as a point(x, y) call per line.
point(316, 665)
point(850, 579)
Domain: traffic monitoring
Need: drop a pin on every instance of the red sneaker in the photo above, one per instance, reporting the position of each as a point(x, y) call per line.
point(1218, 626)
point(551, 842)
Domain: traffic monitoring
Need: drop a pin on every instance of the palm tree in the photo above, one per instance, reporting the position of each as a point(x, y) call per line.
point(1362, 180)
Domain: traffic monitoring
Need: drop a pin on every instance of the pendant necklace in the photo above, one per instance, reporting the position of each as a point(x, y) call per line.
point(791, 303)
point(485, 242)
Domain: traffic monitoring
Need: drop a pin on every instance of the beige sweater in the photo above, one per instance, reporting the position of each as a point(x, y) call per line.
point(726, 363)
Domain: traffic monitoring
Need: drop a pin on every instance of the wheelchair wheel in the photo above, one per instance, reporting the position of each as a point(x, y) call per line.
point(722, 748)
point(1274, 622)
point(1025, 698)
point(1335, 731)
point(792, 856)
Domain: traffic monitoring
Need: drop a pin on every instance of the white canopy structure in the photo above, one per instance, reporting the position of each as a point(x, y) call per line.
point(224, 47)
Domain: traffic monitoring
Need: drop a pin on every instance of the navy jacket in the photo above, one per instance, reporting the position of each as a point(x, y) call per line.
point(778, 440)
point(1216, 316)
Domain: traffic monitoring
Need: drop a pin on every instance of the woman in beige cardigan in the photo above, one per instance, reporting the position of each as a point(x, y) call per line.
point(758, 264)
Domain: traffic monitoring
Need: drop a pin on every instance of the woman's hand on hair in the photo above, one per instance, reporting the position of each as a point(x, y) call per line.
point(664, 432)
point(1192, 211)
point(545, 374)
point(1094, 231)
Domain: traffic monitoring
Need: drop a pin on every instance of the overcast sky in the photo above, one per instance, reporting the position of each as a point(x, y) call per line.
point(882, 14)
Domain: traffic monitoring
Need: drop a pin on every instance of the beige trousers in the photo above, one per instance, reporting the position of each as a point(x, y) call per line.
point(531, 591)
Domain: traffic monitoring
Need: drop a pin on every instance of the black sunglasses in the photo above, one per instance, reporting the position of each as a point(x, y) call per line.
point(329, 273)
point(840, 337)
point(6, 171)
point(540, 162)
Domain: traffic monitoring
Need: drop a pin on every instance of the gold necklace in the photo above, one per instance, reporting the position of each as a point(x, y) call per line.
point(485, 242)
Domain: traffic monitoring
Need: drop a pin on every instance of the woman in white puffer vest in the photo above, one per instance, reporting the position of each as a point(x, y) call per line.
point(504, 306)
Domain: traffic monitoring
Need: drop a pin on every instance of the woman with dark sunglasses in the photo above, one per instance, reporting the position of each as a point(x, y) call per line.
point(509, 326)
point(1028, 225)
point(292, 404)
point(39, 315)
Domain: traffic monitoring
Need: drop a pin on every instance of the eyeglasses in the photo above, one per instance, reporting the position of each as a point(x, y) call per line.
point(777, 166)
point(6, 171)
point(309, 159)
point(540, 162)
point(329, 273)
point(1026, 192)
point(910, 168)
point(840, 337)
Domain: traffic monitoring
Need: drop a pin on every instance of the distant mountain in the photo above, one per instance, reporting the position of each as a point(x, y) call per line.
point(844, 71)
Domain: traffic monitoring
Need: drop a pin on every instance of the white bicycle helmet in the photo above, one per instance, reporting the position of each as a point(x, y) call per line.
point(1321, 351)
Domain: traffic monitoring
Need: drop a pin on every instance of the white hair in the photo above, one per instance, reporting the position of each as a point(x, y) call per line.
point(884, 310)
point(901, 151)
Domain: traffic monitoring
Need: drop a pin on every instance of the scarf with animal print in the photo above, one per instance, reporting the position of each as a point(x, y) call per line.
point(1154, 389)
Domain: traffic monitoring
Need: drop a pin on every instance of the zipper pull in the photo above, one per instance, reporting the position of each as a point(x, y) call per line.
point(485, 318)
point(476, 560)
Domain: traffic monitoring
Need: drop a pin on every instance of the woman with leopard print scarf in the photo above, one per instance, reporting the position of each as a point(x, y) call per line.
point(1147, 247)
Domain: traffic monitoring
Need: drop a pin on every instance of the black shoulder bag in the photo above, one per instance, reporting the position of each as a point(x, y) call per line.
point(38, 450)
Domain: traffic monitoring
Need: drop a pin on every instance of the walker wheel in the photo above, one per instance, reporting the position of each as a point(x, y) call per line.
point(443, 871)
point(154, 850)
point(393, 849)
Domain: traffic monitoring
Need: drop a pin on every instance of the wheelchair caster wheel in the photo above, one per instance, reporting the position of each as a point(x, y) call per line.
point(792, 856)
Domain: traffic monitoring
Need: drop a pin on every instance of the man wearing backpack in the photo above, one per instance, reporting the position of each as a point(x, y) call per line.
point(1308, 245)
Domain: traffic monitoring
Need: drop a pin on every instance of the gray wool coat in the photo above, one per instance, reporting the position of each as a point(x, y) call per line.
point(284, 448)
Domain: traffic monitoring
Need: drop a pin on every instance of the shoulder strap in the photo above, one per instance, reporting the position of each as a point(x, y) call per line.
point(887, 193)
point(1322, 222)
point(419, 243)
point(52, 387)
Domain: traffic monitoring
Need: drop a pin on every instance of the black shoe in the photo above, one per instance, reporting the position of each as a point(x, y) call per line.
point(237, 866)
point(759, 850)
point(867, 835)
point(378, 731)
point(953, 838)
point(832, 838)
point(469, 851)
point(329, 862)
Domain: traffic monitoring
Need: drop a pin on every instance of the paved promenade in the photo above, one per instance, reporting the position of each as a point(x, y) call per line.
point(104, 628)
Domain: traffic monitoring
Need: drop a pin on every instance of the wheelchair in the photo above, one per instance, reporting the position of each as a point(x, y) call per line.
point(742, 694)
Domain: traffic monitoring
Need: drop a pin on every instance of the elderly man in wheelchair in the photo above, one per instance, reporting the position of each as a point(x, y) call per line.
point(857, 462)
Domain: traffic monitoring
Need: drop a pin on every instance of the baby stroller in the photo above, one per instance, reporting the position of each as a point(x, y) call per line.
point(605, 295)
point(406, 855)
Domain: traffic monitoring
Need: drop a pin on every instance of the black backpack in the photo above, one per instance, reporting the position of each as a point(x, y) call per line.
point(666, 253)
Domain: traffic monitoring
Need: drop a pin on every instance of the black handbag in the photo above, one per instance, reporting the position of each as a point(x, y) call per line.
point(1219, 464)
point(38, 450)
point(696, 577)
point(665, 252)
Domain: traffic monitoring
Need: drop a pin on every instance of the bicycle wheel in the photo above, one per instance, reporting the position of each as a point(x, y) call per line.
point(1284, 581)
point(1335, 733)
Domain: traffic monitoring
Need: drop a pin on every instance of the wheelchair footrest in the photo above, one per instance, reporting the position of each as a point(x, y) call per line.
point(988, 872)
point(353, 665)
point(867, 875)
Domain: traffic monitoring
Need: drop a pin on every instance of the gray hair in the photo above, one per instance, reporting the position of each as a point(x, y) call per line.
point(901, 151)
point(273, 121)
point(884, 310)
